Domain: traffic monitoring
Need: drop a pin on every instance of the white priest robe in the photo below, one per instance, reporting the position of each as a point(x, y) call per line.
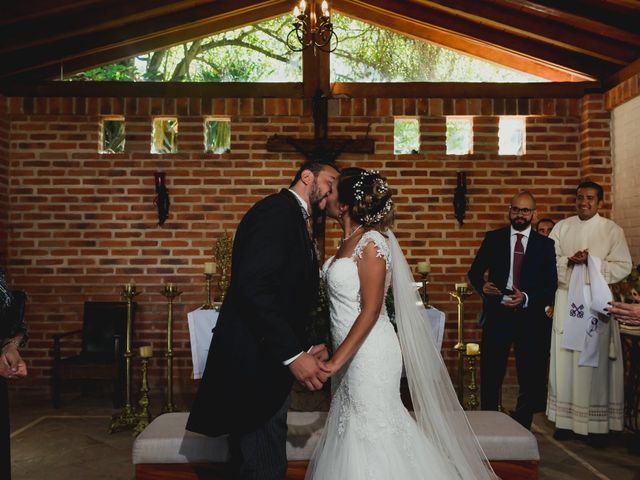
point(581, 398)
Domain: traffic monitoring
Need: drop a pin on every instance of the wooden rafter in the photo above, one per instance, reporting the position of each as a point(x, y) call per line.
point(405, 18)
point(550, 31)
point(89, 50)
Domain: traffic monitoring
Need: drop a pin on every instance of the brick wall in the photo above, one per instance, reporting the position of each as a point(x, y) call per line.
point(626, 171)
point(83, 223)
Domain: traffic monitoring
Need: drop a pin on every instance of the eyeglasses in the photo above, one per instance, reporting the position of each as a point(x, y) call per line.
point(524, 211)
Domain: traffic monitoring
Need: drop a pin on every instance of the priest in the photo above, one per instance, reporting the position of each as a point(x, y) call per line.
point(586, 395)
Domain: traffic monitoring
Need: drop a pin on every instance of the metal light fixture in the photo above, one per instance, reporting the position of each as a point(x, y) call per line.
point(311, 31)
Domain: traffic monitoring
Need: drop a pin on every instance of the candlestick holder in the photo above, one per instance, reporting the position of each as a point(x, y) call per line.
point(472, 387)
point(209, 303)
point(223, 282)
point(461, 293)
point(144, 415)
point(424, 294)
point(126, 418)
point(170, 292)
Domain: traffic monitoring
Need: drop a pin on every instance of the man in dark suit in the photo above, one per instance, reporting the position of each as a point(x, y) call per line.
point(258, 345)
point(522, 280)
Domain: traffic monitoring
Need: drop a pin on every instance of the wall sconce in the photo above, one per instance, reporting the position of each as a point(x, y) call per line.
point(460, 202)
point(161, 201)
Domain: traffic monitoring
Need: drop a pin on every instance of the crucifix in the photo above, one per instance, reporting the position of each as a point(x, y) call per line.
point(321, 148)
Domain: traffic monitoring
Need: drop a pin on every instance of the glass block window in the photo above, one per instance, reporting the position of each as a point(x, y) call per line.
point(511, 136)
point(112, 136)
point(217, 135)
point(164, 137)
point(406, 136)
point(459, 135)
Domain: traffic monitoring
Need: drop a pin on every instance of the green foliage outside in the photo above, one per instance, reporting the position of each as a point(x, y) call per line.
point(406, 136)
point(458, 137)
point(217, 136)
point(113, 136)
point(258, 52)
point(164, 136)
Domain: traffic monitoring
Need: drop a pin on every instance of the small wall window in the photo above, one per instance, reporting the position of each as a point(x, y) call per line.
point(217, 135)
point(511, 136)
point(164, 137)
point(112, 135)
point(459, 135)
point(406, 135)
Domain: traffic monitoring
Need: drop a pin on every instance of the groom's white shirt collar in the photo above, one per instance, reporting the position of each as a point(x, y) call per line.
point(303, 204)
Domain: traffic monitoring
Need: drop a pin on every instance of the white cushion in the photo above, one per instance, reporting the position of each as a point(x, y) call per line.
point(165, 440)
point(502, 438)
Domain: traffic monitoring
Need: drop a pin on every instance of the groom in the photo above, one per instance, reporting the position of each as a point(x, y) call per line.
point(258, 346)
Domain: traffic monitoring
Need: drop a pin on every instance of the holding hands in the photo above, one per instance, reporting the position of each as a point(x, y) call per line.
point(310, 369)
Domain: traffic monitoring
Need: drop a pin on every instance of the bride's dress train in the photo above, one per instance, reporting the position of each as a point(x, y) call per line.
point(369, 434)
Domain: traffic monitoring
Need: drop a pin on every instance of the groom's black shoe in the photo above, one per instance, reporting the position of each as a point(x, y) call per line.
point(562, 434)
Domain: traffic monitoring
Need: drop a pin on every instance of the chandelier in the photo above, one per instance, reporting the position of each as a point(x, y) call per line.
point(311, 31)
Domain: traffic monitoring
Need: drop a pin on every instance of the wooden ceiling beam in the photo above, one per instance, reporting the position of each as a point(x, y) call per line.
point(623, 74)
point(528, 26)
point(26, 10)
point(465, 90)
point(619, 16)
point(591, 23)
point(407, 19)
point(82, 21)
point(87, 51)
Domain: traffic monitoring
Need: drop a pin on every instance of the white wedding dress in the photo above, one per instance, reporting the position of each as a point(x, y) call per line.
point(369, 434)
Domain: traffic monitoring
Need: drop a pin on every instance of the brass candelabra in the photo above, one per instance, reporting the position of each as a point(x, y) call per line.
point(170, 291)
point(126, 418)
point(144, 415)
point(208, 305)
point(472, 401)
point(460, 294)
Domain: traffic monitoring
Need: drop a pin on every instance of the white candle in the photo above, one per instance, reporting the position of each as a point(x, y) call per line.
point(462, 285)
point(146, 351)
point(473, 349)
point(424, 267)
point(209, 268)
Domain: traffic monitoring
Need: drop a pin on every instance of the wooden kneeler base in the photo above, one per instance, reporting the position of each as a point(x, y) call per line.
point(506, 470)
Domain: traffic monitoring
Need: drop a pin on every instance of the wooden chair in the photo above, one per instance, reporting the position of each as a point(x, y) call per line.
point(103, 337)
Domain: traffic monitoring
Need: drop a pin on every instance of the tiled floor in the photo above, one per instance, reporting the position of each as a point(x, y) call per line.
point(73, 443)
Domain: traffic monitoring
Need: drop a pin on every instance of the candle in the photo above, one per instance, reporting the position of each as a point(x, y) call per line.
point(296, 11)
point(473, 349)
point(424, 267)
point(209, 268)
point(461, 286)
point(146, 351)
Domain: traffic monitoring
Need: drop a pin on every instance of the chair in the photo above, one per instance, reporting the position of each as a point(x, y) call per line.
point(103, 337)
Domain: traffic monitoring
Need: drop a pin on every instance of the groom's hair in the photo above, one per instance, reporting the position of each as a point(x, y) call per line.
point(315, 168)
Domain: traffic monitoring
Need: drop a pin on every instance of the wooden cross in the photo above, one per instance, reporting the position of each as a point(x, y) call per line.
point(320, 148)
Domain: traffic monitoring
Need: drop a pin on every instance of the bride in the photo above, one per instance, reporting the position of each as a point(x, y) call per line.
point(369, 434)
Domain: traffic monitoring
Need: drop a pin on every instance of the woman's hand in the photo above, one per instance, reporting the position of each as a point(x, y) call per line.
point(11, 363)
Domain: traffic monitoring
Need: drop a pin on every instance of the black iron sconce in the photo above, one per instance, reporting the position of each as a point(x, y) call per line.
point(460, 202)
point(161, 201)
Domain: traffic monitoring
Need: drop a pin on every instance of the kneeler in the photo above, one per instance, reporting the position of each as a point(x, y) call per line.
point(165, 450)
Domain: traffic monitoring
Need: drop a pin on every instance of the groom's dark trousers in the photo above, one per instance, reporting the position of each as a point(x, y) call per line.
point(524, 328)
point(262, 323)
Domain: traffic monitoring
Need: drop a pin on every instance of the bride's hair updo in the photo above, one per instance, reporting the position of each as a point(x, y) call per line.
point(368, 196)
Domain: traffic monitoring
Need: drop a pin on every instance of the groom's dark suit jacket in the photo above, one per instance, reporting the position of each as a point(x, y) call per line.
point(262, 322)
point(538, 278)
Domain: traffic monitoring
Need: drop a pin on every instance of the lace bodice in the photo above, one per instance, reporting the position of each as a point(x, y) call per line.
point(343, 284)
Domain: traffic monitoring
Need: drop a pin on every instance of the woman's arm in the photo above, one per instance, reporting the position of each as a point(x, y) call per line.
point(371, 271)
